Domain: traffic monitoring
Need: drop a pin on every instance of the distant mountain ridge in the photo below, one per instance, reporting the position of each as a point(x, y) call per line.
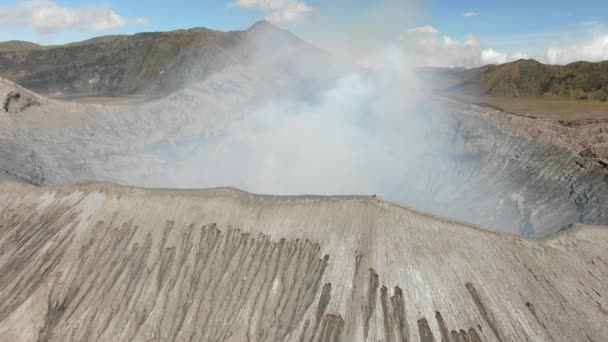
point(150, 63)
point(527, 78)
point(18, 45)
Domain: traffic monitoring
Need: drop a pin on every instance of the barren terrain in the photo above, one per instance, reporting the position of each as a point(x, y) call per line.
point(100, 262)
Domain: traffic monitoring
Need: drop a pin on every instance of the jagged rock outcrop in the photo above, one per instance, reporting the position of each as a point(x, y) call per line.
point(101, 262)
point(14, 102)
point(587, 138)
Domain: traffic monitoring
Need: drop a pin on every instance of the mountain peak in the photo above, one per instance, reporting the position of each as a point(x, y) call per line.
point(269, 31)
point(526, 61)
point(263, 25)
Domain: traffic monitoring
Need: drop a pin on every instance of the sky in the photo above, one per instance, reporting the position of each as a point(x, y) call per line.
point(436, 33)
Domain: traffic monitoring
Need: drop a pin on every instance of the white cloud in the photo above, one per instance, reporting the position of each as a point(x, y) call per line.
point(140, 21)
point(470, 14)
point(448, 41)
point(594, 49)
point(423, 29)
point(46, 16)
point(426, 47)
point(278, 10)
point(491, 56)
point(433, 50)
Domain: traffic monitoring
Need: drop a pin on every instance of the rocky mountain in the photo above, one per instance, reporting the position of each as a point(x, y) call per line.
point(152, 63)
point(528, 78)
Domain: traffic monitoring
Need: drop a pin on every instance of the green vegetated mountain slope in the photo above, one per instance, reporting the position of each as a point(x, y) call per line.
point(152, 63)
point(120, 65)
point(528, 78)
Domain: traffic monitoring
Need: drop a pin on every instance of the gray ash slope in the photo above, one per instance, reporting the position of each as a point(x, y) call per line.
point(95, 262)
point(470, 170)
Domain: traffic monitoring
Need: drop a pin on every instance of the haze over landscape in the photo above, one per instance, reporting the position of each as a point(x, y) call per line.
point(419, 183)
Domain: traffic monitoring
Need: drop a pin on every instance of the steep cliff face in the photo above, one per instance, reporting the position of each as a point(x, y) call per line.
point(493, 174)
point(102, 262)
point(586, 138)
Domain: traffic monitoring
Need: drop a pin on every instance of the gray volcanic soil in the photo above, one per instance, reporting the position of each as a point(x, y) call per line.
point(99, 262)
